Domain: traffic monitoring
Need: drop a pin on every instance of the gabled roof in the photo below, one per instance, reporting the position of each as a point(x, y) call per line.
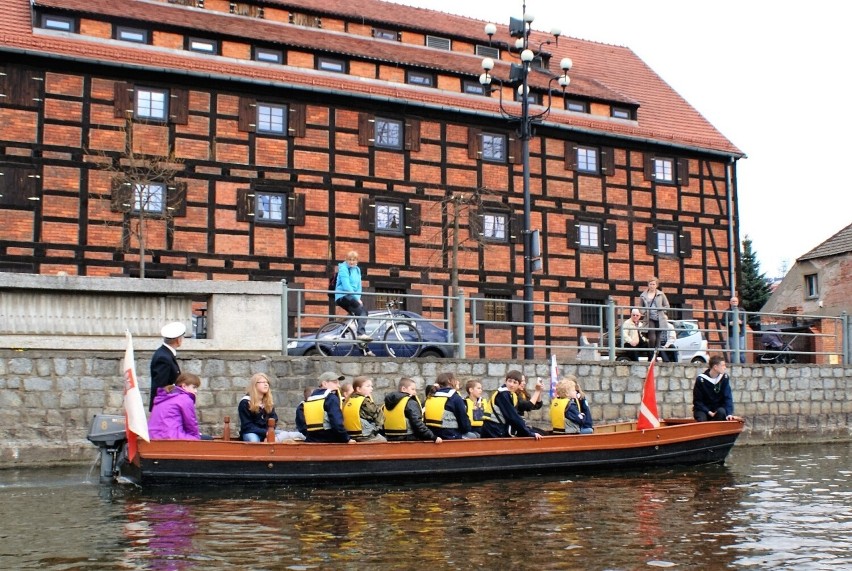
point(601, 72)
point(840, 243)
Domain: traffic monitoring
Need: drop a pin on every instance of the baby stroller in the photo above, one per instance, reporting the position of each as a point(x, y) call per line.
point(772, 342)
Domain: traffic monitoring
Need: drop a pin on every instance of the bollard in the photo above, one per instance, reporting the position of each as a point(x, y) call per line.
point(226, 433)
point(270, 430)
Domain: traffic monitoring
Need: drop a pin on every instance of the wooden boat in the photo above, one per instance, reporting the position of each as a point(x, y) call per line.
point(612, 446)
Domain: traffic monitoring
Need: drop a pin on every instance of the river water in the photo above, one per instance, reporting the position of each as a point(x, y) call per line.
point(769, 507)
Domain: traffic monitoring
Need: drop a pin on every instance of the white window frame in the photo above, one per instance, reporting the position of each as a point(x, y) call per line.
point(388, 214)
point(667, 242)
point(589, 235)
point(270, 207)
point(388, 133)
point(495, 226)
point(588, 159)
point(149, 198)
point(664, 169)
point(271, 119)
point(150, 103)
point(811, 286)
point(493, 147)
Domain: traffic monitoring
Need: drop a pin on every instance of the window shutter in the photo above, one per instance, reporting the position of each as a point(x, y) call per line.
point(296, 209)
point(248, 115)
point(366, 129)
point(474, 143)
point(245, 205)
point(516, 150)
point(575, 313)
point(412, 135)
point(517, 309)
point(21, 86)
point(123, 99)
point(649, 167)
point(572, 233)
point(17, 185)
point(176, 199)
point(298, 119)
point(179, 106)
point(607, 161)
point(516, 230)
point(684, 243)
point(683, 171)
point(651, 241)
point(121, 196)
point(412, 219)
point(414, 304)
point(610, 238)
point(474, 223)
point(570, 155)
point(367, 215)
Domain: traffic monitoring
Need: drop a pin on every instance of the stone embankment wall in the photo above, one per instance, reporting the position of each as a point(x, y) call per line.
point(48, 398)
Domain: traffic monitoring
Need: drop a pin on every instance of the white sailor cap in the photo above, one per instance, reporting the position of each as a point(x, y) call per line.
point(173, 330)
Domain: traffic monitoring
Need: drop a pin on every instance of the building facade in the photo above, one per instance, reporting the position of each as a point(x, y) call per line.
point(263, 140)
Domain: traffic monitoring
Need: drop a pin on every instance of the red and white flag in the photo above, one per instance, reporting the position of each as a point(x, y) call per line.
point(135, 423)
point(648, 415)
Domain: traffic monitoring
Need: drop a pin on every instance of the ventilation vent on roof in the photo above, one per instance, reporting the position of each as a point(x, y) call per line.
point(488, 51)
point(438, 43)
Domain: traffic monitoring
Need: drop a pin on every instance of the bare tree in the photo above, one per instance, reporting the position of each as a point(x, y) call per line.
point(143, 187)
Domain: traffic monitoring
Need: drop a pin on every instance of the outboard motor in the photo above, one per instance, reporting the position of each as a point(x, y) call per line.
point(107, 432)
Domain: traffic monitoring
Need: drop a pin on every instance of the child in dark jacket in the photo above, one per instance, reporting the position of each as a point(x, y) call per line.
point(256, 408)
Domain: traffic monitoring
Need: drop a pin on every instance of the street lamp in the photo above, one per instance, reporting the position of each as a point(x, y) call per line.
point(519, 74)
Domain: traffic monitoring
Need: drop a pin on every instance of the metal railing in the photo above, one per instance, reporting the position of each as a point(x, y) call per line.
point(811, 338)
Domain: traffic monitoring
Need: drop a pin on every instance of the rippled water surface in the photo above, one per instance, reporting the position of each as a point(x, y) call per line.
point(770, 507)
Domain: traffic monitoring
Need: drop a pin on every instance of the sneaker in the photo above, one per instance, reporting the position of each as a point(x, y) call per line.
point(369, 353)
point(364, 337)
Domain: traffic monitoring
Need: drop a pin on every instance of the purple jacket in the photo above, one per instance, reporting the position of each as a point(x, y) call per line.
point(173, 416)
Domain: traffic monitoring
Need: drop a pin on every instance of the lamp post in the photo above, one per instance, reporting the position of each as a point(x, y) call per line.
point(519, 74)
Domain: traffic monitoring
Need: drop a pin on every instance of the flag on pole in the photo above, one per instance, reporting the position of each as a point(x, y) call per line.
point(135, 423)
point(554, 376)
point(648, 415)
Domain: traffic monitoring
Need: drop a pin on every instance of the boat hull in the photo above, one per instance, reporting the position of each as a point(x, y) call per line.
point(611, 447)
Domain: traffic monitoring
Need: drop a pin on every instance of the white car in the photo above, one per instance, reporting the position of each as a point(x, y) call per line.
point(690, 344)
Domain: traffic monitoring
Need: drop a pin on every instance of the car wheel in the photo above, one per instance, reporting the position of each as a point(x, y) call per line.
point(698, 360)
point(312, 352)
point(430, 353)
point(623, 359)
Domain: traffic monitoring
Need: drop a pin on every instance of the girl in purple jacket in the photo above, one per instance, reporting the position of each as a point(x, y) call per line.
point(173, 416)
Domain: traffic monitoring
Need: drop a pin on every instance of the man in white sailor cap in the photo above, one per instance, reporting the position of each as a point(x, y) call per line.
point(164, 364)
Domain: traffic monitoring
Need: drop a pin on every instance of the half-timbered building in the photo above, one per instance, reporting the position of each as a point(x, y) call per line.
point(263, 139)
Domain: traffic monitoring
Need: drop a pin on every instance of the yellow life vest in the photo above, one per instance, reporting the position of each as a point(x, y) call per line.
point(496, 413)
point(352, 415)
point(485, 404)
point(557, 414)
point(315, 416)
point(436, 415)
point(396, 423)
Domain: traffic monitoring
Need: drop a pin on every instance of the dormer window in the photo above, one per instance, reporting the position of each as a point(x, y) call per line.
point(136, 35)
point(621, 113)
point(383, 34)
point(576, 106)
point(202, 45)
point(60, 23)
point(268, 55)
point(329, 64)
point(421, 78)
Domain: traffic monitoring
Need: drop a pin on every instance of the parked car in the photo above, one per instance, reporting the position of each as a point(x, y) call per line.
point(690, 344)
point(435, 341)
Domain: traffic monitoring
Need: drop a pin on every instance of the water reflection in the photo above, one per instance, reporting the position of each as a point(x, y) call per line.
point(739, 516)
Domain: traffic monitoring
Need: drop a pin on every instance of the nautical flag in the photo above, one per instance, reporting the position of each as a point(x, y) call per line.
point(554, 376)
point(648, 415)
point(135, 423)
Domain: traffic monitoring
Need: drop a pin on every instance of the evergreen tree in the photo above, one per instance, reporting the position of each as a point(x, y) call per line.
point(754, 289)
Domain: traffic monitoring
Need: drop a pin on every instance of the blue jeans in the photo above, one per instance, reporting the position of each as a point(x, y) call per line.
point(741, 347)
point(252, 437)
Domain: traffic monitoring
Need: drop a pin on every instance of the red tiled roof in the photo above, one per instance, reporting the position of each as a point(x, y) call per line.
point(600, 71)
